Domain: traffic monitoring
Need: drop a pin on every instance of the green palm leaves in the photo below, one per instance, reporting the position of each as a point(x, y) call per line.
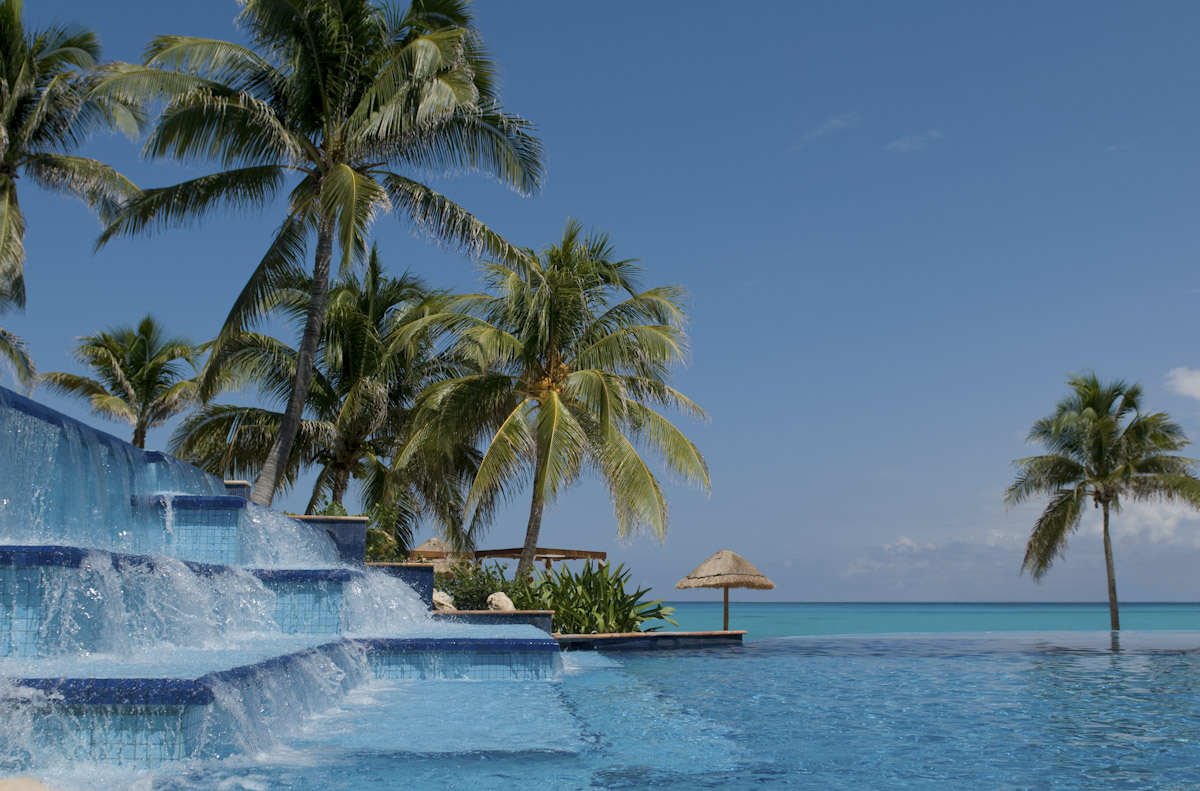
point(46, 110)
point(339, 100)
point(139, 376)
point(377, 354)
point(573, 358)
point(1100, 447)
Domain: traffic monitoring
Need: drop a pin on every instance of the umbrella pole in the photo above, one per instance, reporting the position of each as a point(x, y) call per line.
point(726, 627)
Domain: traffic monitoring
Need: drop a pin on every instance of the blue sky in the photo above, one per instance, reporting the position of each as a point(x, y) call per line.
point(902, 226)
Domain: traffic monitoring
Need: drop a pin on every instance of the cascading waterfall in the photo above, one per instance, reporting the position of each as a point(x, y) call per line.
point(146, 616)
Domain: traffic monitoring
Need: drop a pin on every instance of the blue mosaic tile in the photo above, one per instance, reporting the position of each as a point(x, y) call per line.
point(306, 607)
point(304, 575)
point(190, 502)
point(121, 691)
point(460, 644)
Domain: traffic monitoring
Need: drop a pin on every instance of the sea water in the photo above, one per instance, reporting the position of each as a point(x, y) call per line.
point(764, 620)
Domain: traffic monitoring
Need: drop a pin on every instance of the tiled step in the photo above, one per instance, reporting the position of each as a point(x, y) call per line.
point(146, 721)
point(58, 600)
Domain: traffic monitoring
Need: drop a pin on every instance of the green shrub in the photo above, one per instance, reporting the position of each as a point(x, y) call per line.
point(592, 600)
point(334, 509)
point(382, 547)
point(595, 600)
point(471, 585)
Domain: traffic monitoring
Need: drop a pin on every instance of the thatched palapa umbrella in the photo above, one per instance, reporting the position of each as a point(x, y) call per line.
point(440, 554)
point(726, 569)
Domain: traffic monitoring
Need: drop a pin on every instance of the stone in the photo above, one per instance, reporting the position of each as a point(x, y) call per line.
point(500, 601)
point(442, 601)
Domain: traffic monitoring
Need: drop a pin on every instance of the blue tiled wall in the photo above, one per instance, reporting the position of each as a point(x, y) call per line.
point(307, 607)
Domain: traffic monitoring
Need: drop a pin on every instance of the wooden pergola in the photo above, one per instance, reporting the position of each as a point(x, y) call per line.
point(542, 553)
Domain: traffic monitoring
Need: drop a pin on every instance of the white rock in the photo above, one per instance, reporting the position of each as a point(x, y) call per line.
point(22, 784)
point(442, 600)
point(500, 601)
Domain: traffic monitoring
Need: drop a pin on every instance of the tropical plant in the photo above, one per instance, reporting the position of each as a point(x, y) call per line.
point(471, 585)
point(45, 112)
point(572, 355)
point(140, 375)
point(343, 95)
point(369, 371)
point(1102, 447)
point(595, 600)
point(13, 350)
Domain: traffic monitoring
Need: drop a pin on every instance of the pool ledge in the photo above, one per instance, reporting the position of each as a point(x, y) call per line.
point(649, 641)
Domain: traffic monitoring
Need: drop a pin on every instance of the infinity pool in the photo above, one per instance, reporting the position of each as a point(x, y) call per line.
point(1039, 710)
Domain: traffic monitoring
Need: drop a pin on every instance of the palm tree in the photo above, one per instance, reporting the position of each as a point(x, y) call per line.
point(1100, 446)
point(343, 95)
point(572, 357)
point(12, 348)
point(370, 369)
point(46, 111)
point(139, 375)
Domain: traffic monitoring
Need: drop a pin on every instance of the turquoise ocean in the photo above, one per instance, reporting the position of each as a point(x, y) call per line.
point(763, 620)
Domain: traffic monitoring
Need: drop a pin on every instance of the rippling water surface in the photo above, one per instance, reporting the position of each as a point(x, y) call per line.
point(957, 712)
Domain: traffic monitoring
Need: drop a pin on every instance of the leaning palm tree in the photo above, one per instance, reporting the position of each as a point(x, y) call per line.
point(1103, 448)
point(140, 376)
point(45, 112)
point(12, 348)
point(573, 356)
point(369, 371)
point(341, 98)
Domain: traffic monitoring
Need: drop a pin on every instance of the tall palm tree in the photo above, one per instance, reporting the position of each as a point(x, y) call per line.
point(572, 357)
point(12, 348)
point(345, 96)
point(140, 375)
point(46, 110)
point(369, 371)
point(1103, 448)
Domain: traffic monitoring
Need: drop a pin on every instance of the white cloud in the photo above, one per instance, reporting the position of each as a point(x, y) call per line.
point(911, 143)
point(1156, 547)
point(1157, 523)
point(838, 123)
point(1184, 381)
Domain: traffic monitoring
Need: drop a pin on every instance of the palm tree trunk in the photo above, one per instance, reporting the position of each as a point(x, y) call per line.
point(139, 436)
point(276, 464)
point(525, 564)
point(341, 480)
point(1113, 618)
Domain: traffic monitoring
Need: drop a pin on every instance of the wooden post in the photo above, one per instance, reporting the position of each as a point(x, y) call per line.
point(726, 627)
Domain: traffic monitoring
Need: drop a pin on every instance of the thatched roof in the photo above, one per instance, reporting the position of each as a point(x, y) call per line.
point(440, 554)
point(434, 544)
point(726, 569)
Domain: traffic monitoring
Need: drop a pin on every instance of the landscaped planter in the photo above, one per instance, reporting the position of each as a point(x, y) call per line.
point(649, 641)
point(349, 534)
point(539, 618)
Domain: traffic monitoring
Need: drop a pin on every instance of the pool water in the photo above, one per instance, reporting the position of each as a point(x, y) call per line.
point(1022, 710)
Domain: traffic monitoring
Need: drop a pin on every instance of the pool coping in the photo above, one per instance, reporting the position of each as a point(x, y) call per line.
point(649, 641)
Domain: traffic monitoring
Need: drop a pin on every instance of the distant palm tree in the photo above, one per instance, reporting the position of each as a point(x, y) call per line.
point(371, 366)
point(12, 348)
point(46, 111)
point(139, 376)
point(572, 357)
point(345, 96)
point(1101, 446)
